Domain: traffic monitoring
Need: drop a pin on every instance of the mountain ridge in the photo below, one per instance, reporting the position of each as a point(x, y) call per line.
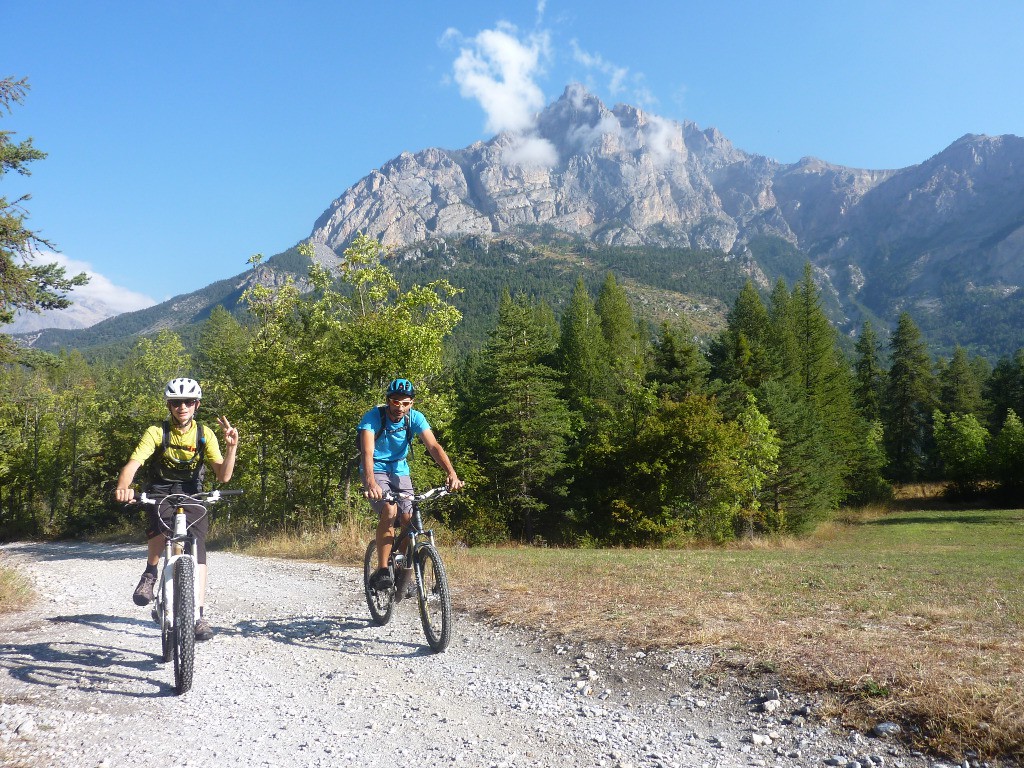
point(943, 238)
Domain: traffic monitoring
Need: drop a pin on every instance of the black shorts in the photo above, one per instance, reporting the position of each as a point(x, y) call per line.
point(161, 519)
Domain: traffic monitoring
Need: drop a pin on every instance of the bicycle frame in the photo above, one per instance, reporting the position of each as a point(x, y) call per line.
point(181, 544)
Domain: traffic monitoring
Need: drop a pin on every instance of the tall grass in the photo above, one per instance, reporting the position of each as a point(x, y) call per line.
point(15, 591)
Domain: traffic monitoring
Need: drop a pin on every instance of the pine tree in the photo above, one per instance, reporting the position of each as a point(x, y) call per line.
point(959, 388)
point(869, 378)
point(678, 367)
point(583, 356)
point(1004, 389)
point(909, 400)
point(743, 354)
point(524, 422)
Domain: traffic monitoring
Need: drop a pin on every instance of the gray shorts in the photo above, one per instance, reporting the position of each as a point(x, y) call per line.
point(395, 484)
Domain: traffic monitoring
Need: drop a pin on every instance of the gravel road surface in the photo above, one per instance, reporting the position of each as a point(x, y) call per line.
point(297, 675)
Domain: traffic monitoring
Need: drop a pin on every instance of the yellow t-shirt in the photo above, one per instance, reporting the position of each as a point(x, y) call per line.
point(181, 445)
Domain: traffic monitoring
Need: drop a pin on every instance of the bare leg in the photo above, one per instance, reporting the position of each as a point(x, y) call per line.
point(386, 534)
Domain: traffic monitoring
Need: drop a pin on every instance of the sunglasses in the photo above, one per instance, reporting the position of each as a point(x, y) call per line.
point(186, 403)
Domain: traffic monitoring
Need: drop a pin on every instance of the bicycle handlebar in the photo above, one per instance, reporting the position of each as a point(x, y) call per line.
point(203, 497)
point(432, 493)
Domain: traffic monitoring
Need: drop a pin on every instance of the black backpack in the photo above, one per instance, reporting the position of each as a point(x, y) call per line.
point(382, 411)
point(188, 474)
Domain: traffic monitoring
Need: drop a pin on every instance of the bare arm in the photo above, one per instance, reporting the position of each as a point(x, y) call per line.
point(438, 454)
point(124, 492)
point(373, 491)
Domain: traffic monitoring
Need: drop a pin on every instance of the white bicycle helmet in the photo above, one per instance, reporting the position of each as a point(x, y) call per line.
point(183, 389)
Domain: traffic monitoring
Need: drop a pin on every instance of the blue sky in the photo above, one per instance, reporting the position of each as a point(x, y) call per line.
point(184, 137)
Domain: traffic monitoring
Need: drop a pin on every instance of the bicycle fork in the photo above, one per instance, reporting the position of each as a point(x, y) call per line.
point(173, 551)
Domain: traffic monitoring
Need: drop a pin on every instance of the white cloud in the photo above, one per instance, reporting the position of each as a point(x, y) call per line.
point(99, 288)
point(663, 139)
point(498, 69)
point(530, 151)
point(616, 75)
point(619, 79)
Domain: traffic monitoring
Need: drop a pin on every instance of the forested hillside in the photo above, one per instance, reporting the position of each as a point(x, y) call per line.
point(604, 421)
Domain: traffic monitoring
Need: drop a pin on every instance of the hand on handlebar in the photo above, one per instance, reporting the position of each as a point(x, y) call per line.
point(124, 495)
point(373, 491)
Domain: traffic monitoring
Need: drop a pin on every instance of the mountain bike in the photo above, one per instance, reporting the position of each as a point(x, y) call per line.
point(416, 569)
point(177, 601)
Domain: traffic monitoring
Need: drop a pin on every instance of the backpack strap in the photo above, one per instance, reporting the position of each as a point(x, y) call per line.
point(382, 411)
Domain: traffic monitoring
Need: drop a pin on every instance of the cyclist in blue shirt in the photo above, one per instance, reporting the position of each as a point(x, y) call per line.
point(385, 437)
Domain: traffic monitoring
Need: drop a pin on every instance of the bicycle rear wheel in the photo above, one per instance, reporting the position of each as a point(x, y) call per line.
point(435, 598)
point(380, 603)
point(184, 623)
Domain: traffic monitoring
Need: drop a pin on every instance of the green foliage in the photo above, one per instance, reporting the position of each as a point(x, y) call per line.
point(963, 447)
point(697, 475)
point(959, 388)
point(521, 424)
point(592, 427)
point(869, 375)
point(1008, 455)
point(909, 401)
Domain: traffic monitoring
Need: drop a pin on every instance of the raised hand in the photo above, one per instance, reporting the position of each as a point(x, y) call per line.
point(230, 433)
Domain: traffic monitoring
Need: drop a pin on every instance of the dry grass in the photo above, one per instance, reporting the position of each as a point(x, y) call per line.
point(15, 591)
point(895, 627)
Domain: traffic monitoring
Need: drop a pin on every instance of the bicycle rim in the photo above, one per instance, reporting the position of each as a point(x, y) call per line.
point(166, 628)
point(435, 598)
point(380, 603)
point(184, 623)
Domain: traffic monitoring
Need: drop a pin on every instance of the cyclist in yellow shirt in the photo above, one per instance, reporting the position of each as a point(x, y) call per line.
point(181, 448)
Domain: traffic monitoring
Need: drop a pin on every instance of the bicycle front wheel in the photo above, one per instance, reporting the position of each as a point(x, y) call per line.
point(435, 598)
point(380, 602)
point(166, 628)
point(184, 623)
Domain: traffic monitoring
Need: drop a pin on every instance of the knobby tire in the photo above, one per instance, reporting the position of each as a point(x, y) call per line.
point(184, 623)
point(381, 604)
point(434, 597)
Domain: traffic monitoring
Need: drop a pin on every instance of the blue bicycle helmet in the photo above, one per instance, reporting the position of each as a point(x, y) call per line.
point(401, 388)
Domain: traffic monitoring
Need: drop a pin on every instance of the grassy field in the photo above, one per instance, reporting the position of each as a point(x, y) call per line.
point(915, 617)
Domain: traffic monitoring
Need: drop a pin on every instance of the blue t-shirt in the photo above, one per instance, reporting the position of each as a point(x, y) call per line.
point(389, 451)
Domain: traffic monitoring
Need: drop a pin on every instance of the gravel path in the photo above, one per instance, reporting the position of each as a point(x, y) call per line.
point(296, 675)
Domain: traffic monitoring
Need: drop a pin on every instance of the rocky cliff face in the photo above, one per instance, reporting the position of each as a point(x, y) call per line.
point(626, 177)
point(617, 177)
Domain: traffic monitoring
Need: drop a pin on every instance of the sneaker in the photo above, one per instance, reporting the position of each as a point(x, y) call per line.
point(143, 594)
point(381, 580)
point(203, 630)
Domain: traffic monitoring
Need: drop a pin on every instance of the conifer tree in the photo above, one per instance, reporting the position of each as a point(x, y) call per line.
point(1004, 389)
point(869, 375)
point(524, 422)
point(959, 388)
point(743, 353)
point(909, 400)
point(24, 284)
point(583, 354)
point(678, 367)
